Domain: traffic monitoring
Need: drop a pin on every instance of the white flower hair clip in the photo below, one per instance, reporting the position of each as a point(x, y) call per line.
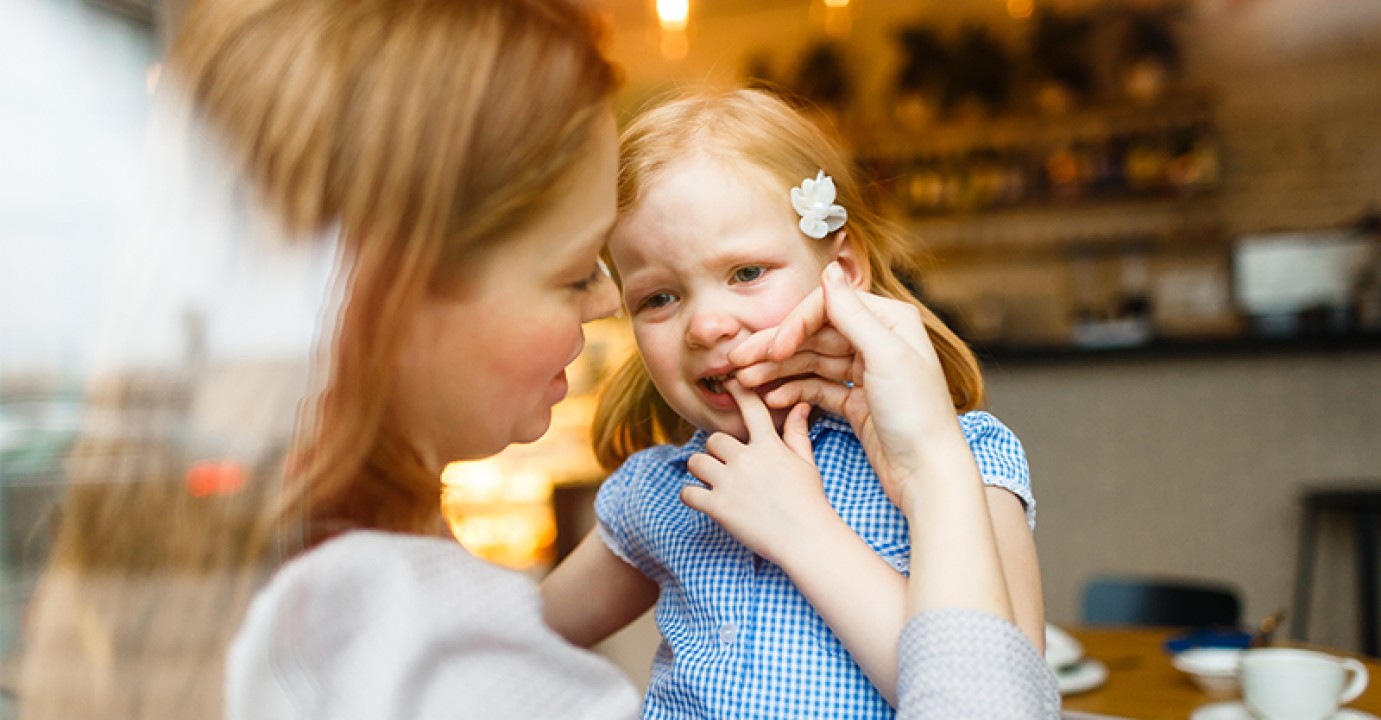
point(814, 202)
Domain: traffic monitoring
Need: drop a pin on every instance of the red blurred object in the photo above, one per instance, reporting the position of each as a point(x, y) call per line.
point(223, 477)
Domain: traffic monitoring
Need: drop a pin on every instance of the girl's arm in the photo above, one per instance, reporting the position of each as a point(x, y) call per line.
point(1016, 547)
point(593, 593)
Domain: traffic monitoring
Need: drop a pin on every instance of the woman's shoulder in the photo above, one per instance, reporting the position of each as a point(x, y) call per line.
point(392, 568)
point(336, 626)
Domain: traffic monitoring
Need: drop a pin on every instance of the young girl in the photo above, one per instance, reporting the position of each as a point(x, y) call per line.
point(730, 207)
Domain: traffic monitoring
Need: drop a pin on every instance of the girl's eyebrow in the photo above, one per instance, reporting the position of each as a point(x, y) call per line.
point(734, 256)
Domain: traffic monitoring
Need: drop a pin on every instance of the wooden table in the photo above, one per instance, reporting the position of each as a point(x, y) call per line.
point(1142, 684)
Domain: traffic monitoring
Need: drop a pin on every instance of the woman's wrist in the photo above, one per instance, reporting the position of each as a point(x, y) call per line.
point(940, 461)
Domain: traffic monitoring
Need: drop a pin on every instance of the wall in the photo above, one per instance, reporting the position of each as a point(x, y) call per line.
point(1193, 467)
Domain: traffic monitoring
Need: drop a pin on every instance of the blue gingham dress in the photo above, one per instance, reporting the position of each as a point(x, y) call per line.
point(738, 639)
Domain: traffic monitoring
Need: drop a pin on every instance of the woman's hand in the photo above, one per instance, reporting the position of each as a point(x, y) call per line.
point(899, 406)
point(767, 491)
point(867, 358)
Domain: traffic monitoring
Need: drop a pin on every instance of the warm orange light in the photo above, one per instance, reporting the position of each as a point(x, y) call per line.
point(498, 513)
point(1020, 9)
point(673, 14)
point(836, 3)
point(223, 477)
point(674, 45)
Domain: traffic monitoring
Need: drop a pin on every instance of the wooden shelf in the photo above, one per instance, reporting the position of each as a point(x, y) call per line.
point(998, 357)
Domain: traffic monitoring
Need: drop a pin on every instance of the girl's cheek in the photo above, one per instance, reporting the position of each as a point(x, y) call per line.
point(772, 313)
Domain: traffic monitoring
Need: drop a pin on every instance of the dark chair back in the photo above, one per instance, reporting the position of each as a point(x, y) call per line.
point(1160, 601)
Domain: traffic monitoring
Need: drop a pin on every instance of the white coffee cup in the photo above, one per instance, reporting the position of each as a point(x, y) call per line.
point(1289, 684)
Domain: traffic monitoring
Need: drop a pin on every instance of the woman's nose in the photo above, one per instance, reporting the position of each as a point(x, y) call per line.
point(603, 300)
point(708, 327)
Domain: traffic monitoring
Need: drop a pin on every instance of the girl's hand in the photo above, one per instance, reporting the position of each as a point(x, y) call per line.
point(765, 492)
point(867, 358)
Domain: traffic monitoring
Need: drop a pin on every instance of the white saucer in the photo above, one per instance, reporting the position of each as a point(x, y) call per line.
point(1061, 649)
point(1082, 676)
point(1235, 710)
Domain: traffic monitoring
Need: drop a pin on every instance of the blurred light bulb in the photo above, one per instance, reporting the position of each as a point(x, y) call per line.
point(673, 14)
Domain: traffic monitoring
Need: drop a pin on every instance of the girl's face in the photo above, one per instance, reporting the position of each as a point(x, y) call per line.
point(482, 365)
point(710, 255)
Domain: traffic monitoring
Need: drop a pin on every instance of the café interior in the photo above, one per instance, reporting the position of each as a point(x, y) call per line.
point(1157, 222)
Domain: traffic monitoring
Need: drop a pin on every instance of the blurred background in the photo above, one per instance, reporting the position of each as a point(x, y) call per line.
point(1157, 222)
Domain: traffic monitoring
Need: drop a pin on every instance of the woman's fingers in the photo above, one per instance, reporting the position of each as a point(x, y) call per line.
point(849, 314)
point(827, 395)
point(794, 330)
point(800, 364)
point(824, 341)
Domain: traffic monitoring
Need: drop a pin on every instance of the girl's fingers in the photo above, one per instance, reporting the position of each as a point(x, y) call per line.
point(698, 498)
point(756, 417)
point(703, 466)
point(719, 445)
point(796, 433)
point(701, 497)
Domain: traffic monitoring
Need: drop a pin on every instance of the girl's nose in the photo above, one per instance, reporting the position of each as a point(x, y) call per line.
point(602, 300)
point(708, 327)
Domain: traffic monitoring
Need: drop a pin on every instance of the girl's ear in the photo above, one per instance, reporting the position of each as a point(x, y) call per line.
point(852, 260)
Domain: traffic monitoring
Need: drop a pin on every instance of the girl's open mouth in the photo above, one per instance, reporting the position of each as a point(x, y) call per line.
point(715, 383)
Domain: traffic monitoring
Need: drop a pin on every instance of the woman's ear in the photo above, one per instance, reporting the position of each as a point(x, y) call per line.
point(852, 260)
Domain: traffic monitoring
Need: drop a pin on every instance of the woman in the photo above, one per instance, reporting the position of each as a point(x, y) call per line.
point(458, 160)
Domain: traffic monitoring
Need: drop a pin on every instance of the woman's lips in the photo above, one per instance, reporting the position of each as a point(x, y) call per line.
point(559, 387)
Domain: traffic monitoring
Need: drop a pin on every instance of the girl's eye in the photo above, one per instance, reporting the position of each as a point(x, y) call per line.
point(658, 300)
point(748, 273)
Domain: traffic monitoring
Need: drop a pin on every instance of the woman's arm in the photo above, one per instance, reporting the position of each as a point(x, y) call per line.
point(593, 593)
point(870, 359)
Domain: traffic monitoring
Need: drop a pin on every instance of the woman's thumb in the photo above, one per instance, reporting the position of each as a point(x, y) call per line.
point(846, 311)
